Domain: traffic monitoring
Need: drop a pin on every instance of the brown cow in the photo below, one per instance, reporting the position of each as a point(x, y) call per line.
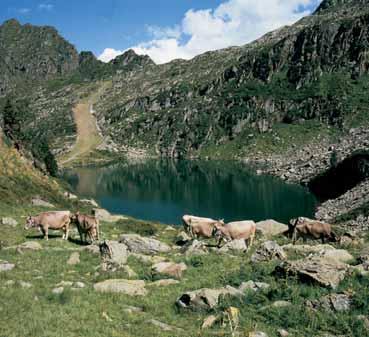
point(236, 231)
point(58, 220)
point(307, 228)
point(200, 227)
point(87, 225)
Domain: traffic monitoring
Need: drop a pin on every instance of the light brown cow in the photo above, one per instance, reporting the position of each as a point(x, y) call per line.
point(87, 225)
point(307, 228)
point(58, 220)
point(239, 230)
point(200, 227)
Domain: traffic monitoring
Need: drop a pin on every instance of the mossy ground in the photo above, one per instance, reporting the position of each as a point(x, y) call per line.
point(36, 311)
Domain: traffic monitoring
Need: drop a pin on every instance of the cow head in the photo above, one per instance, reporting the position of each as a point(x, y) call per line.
point(74, 217)
point(30, 223)
point(217, 230)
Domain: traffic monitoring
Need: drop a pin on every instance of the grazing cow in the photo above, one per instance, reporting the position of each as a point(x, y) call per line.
point(307, 228)
point(87, 225)
point(240, 230)
point(50, 220)
point(200, 227)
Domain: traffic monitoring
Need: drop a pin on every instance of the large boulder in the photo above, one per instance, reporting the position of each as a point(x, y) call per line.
point(332, 302)
point(205, 298)
point(169, 269)
point(324, 272)
point(142, 245)
point(234, 246)
point(114, 253)
point(128, 287)
point(321, 250)
point(269, 228)
point(269, 250)
point(104, 215)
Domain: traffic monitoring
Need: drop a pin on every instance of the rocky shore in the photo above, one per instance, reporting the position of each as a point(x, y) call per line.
point(305, 164)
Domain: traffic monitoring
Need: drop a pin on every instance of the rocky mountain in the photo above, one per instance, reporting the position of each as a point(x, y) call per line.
point(29, 53)
point(315, 71)
point(266, 96)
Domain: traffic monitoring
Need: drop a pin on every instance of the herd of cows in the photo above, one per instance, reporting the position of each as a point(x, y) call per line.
point(245, 230)
point(196, 227)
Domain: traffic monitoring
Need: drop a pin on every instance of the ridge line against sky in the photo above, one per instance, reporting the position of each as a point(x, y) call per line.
point(163, 29)
point(232, 23)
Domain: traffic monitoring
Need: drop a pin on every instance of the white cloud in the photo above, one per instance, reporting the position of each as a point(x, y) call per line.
point(234, 22)
point(110, 54)
point(46, 7)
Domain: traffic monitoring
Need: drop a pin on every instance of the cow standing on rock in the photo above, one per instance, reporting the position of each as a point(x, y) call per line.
point(307, 228)
point(58, 220)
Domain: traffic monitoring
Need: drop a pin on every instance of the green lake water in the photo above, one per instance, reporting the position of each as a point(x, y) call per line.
point(165, 190)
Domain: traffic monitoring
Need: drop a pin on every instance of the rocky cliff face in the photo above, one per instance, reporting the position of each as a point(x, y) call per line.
point(313, 70)
point(29, 53)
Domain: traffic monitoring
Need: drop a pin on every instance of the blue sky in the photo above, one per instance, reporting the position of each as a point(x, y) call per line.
point(164, 29)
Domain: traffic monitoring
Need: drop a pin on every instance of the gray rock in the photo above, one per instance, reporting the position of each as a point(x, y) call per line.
point(132, 310)
point(194, 248)
point(163, 326)
point(234, 246)
point(324, 251)
point(209, 322)
point(332, 302)
point(205, 298)
point(182, 238)
point(254, 286)
point(281, 304)
point(70, 196)
point(269, 228)
point(58, 291)
point(9, 222)
point(143, 245)
point(41, 203)
point(104, 215)
point(130, 272)
point(169, 269)
point(128, 287)
point(324, 272)
point(73, 259)
point(25, 285)
point(29, 245)
point(6, 266)
point(258, 334)
point(93, 249)
point(114, 253)
point(283, 333)
point(91, 202)
point(269, 250)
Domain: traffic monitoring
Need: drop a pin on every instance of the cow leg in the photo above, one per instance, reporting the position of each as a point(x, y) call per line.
point(251, 241)
point(46, 233)
point(98, 232)
point(294, 237)
point(323, 239)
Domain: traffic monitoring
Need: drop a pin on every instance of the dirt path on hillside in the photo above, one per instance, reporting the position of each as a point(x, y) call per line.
point(88, 136)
